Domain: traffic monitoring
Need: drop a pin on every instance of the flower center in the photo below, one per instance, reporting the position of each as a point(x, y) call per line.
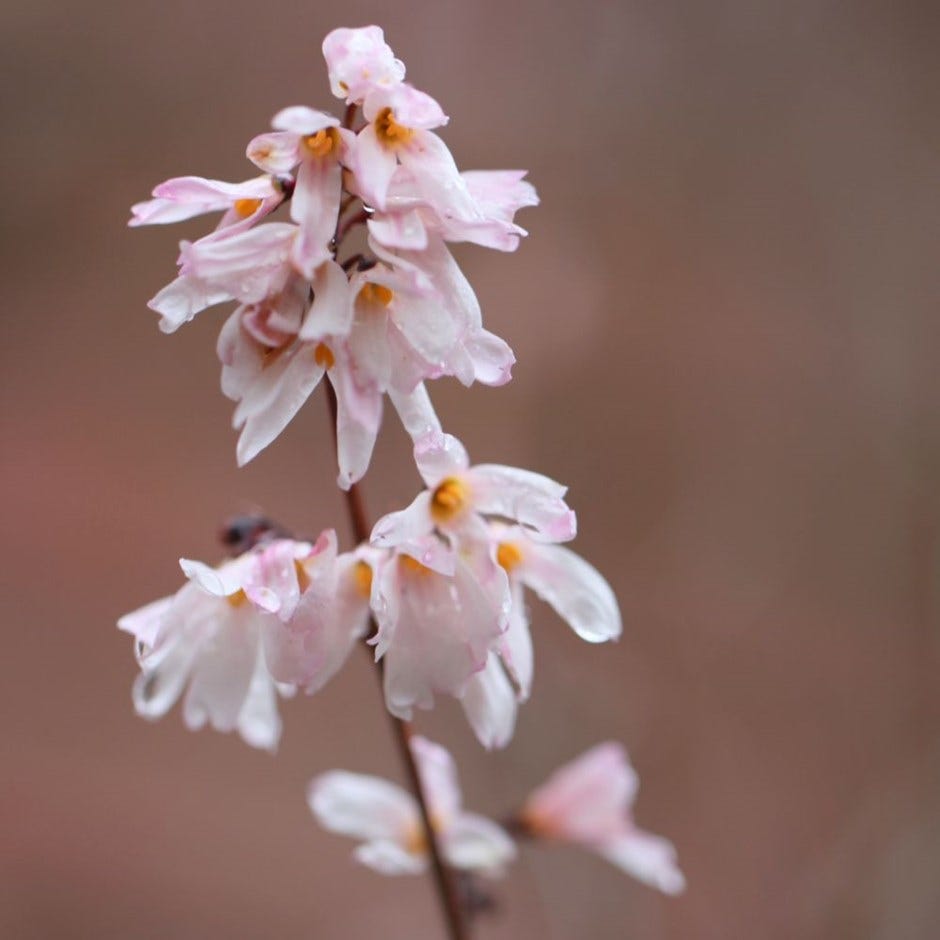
point(303, 579)
point(378, 294)
point(449, 499)
point(323, 356)
point(237, 599)
point(246, 207)
point(508, 554)
point(322, 143)
point(389, 131)
point(362, 575)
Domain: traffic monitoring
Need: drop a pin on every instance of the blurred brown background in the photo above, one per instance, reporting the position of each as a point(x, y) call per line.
point(725, 321)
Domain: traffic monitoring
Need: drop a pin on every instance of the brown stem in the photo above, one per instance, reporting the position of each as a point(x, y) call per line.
point(403, 732)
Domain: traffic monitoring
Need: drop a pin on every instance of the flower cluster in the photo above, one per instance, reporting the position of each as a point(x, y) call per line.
point(381, 321)
point(438, 589)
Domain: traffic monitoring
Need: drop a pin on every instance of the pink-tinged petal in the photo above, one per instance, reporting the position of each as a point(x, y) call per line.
point(373, 166)
point(144, 624)
point(358, 417)
point(437, 177)
point(416, 411)
point(389, 858)
point(587, 800)
point(474, 843)
point(576, 589)
point(315, 207)
point(438, 456)
point(166, 211)
point(362, 806)
point(331, 312)
point(183, 298)
point(489, 702)
point(438, 775)
point(250, 265)
point(404, 230)
point(275, 398)
point(411, 108)
point(272, 581)
point(529, 498)
point(515, 645)
point(299, 119)
point(359, 61)
point(275, 153)
point(197, 189)
point(647, 858)
point(259, 723)
point(491, 357)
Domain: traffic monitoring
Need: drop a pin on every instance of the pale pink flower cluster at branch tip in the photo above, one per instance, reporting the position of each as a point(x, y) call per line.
point(439, 585)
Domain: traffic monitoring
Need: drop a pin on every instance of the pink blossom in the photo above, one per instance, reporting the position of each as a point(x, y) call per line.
point(316, 145)
point(388, 821)
point(435, 630)
point(458, 496)
point(235, 636)
point(589, 802)
point(400, 127)
point(185, 197)
point(497, 195)
point(360, 62)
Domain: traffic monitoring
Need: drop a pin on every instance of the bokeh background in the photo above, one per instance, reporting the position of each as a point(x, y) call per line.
point(726, 332)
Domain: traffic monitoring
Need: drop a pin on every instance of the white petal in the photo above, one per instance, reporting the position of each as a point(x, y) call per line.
point(648, 858)
point(300, 119)
point(576, 590)
point(491, 357)
point(474, 843)
point(439, 456)
point(144, 623)
point(438, 779)
point(162, 678)
point(373, 166)
point(406, 525)
point(489, 702)
point(389, 858)
point(362, 806)
point(182, 299)
point(416, 411)
point(529, 498)
point(515, 645)
point(274, 153)
point(315, 206)
point(259, 723)
point(358, 417)
point(331, 312)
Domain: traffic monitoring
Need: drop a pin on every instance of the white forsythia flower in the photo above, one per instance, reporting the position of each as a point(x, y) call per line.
point(282, 616)
point(589, 802)
point(388, 821)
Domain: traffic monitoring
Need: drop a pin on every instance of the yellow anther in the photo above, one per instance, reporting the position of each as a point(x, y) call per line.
point(238, 598)
point(389, 131)
point(323, 356)
point(508, 554)
point(413, 565)
point(362, 575)
point(372, 293)
point(303, 579)
point(448, 499)
point(246, 207)
point(322, 143)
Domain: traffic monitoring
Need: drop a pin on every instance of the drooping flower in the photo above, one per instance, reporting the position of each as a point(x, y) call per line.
point(235, 636)
point(589, 802)
point(360, 62)
point(388, 821)
point(313, 143)
point(458, 496)
point(409, 221)
point(435, 630)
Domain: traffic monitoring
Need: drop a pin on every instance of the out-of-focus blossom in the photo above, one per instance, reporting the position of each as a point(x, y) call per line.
point(360, 62)
point(458, 496)
point(387, 821)
point(435, 630)
point(275, 618)
point(589, 802)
